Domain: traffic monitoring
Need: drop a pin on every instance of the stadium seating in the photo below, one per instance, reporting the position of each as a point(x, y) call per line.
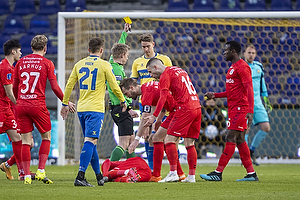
point(203, 5)
point(75, 5)
point(4, 8)
point(259, 5)
point(13, 24)
point(279, 5)
point(25, 41)
point(298, 5)
point(24, 7)
point(52, 44)
point(178, 6)
point(3, 39)
point(39, 24)
point(230, 5)
point(49, 7)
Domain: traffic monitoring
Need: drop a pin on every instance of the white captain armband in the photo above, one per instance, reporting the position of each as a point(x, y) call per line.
point(147, 109)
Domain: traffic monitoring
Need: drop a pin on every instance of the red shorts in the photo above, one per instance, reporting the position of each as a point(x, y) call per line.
point(185, 123)
point(165, 124)
point(27, 116)
point(7, 121)
point(237, 120)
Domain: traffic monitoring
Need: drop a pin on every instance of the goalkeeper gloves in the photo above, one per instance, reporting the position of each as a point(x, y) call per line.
point(268, 105)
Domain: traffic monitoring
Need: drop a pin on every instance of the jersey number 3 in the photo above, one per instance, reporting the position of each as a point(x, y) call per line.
point(85, 76)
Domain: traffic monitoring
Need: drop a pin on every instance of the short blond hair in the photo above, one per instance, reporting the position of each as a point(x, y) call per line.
point(118, 49)
point(39, 42)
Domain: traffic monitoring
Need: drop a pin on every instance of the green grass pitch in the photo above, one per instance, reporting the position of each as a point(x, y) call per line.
point(277, 181)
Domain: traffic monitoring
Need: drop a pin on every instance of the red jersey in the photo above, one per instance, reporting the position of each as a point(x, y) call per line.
point(238, 74)
point(6, 78)
point(151, 93)
point(178, 82)
point(31, 73)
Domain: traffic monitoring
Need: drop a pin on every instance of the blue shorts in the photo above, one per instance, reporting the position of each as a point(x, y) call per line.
point(260, 114)
point(91, 123)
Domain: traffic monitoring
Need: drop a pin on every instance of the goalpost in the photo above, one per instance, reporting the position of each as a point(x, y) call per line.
point(193, 41)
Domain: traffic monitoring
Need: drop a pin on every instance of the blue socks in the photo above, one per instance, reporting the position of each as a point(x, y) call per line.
point(95, 161)
point(86, 155)
point(258, 138)
point(150, 157)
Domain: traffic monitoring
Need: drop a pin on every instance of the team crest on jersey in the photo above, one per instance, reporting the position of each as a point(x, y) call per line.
point(8, 76)
point(119, 78)
point(231, 71)
point(258, 71)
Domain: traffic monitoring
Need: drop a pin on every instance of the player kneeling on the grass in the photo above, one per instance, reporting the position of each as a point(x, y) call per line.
point(130, 171)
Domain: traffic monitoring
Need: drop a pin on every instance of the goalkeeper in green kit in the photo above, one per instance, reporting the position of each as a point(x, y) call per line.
point(124, 121)
point(260, 116)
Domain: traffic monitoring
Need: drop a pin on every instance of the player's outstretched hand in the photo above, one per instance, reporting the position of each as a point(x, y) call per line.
point(210, 95)
point(133, 113)
point(72, 107)
point(157, 124)
point(149, 120)
point(64, 112)
point(127, 27)
point(133, 146)
point(249, 116)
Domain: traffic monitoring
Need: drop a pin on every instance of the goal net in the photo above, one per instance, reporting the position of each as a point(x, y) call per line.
point(194, 42)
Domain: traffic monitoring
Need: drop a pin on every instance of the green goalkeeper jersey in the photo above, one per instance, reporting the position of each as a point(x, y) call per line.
point(119, 74)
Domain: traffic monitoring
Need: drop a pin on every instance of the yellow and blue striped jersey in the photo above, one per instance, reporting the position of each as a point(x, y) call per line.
point(92, 73)
point(139, 70)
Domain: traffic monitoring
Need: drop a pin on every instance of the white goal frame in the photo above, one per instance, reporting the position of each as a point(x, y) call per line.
point(135, 15)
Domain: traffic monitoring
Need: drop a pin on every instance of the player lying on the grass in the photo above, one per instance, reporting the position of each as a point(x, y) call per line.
point(129, 171)
point(149, 96)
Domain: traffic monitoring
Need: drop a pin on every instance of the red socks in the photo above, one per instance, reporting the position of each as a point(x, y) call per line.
point(192, 159)
point(12, 159)
point(226, 156)
point(158, 155)
point(26, 157)
point(17, 157)
point(172, 155)
point(245, 157)
point(44, 153)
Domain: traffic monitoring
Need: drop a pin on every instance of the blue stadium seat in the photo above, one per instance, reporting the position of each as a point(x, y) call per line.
point(39, 24)
point(52, 44)
point(25, 41)
point(24, 7)
point(75, 5)
point(4, 8)
point(278, 5)
point(178, 6)
point(49, 7)
point(203, 5)
point(230, 5)
point(13, 24)
point(3, 39)
point(258, 5)
point(298, 5)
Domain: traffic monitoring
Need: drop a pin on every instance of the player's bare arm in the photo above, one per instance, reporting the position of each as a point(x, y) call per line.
point(9, 93)
point(133, 113)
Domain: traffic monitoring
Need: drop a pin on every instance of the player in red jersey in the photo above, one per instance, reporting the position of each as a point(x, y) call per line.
point(130, 171)
point(186, 121)
point(149, 97)
point(8, 124)
point(31, 74)
point(240, 100)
